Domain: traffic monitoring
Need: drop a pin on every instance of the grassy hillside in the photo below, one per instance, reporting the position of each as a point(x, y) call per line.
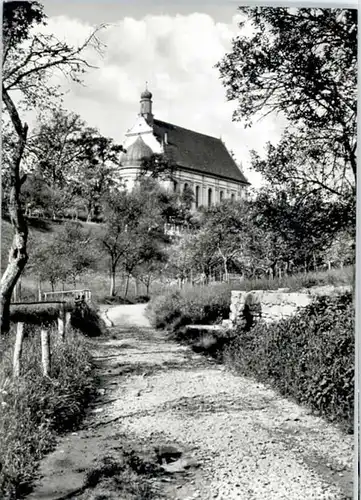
point(39, 230)
point(42, 231)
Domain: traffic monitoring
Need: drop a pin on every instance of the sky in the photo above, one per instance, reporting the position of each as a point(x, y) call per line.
point(172, 46)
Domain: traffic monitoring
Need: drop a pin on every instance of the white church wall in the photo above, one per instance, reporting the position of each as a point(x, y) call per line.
point(205, 183)
point(142, 128)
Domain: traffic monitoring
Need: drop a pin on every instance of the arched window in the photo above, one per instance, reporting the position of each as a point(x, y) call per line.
point(197, 196)
point(221, 196)
point(185, 186)
point(209, 197)
point(175, 186)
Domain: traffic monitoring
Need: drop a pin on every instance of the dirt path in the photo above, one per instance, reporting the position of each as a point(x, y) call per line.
point(238, 439)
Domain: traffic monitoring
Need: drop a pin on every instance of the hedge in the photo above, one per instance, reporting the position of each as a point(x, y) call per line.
point(309, 357)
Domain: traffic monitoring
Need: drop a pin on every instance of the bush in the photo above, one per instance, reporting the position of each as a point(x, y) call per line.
point(309, 357)
point(119, 300)
point(86, 319)
point(177, 308)
point(33, 408)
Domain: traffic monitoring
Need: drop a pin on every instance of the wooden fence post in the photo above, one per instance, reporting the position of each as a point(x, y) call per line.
point(67, 320)
point(45, 351)
point(61, 323)
point(18, 349)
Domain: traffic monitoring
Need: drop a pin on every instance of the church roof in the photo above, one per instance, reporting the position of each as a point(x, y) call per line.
point(136, 151)
point(197, 152)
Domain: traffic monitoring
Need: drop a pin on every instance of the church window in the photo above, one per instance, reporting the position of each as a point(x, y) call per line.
point(197, 196)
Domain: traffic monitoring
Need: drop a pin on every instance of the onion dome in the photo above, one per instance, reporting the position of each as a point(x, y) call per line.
point(136, 152)
point(146, 94)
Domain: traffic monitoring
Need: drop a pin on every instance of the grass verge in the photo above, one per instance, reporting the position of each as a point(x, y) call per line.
point(309, 357)
point(34, 409)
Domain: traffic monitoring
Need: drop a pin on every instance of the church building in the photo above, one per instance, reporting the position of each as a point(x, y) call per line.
point(202, 162)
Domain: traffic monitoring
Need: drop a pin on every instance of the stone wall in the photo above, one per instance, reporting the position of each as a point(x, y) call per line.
point(273, 305)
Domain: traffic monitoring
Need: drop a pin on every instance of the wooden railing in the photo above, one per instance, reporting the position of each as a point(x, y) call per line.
point(63, 320)
point(66, 294)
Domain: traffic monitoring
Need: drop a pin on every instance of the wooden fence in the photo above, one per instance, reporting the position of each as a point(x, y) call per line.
point(66, 294)
point(63, 323)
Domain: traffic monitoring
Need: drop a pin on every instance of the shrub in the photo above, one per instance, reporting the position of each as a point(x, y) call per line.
point(85, 318)
point(33, 408)
point(119, 300)
point(177, 308)
point(309, 357)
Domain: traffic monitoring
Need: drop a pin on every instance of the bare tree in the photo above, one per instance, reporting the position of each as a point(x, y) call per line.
point(30, 59)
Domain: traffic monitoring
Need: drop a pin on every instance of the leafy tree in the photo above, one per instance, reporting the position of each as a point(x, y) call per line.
point(135, 230)
point(36, 194)
point(228, 227)
point(54, 146)
point(121, 213)
point(97, 169)
point(74, 159)
point(157, 166)
point(29, 59)
point(64, 258)
point(301, 230)
point(180, 258)
point(306, 162)
point(150, 270)
point(185, 203)
point(300, 63)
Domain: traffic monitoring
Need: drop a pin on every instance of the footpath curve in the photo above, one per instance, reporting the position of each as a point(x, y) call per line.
point(238, 439)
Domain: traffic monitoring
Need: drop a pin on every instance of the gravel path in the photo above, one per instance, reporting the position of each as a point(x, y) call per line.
point(250, 443)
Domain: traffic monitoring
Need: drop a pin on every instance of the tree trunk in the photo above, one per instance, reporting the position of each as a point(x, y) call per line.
point(18, 256)
point(89, 210)
point(126, 286)
point(225, 269)
point(112, 282)
point(314, 261)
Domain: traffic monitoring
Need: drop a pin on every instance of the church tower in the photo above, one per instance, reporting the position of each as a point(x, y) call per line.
point(146, 106)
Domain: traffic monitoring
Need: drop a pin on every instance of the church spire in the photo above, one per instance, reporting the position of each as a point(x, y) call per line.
point(146, 105)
